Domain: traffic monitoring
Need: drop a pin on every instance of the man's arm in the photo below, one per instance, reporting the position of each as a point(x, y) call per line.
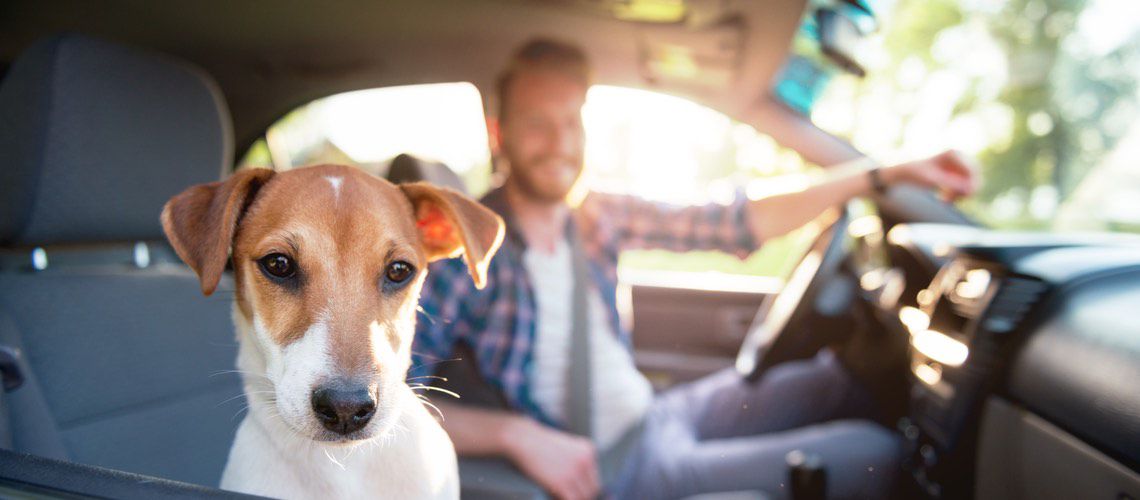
point(773, 216)
point(739, 228)
point(564, 464)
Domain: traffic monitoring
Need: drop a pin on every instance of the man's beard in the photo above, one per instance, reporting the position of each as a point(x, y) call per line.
point(525, 178)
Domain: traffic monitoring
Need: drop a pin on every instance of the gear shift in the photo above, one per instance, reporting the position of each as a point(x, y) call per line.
point(806, 475)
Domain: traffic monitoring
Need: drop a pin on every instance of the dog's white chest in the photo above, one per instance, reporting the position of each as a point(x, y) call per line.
point(416, 461)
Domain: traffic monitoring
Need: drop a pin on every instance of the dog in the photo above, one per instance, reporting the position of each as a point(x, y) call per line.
point(328, 262)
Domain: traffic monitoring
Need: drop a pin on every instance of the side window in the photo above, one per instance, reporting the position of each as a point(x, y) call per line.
point(367, 128)
point(670, 149)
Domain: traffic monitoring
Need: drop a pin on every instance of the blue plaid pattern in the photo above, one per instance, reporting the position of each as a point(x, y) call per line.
point(498, 323)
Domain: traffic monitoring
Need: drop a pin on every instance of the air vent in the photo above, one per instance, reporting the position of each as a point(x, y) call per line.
point(970, 291)
point(1015, 297)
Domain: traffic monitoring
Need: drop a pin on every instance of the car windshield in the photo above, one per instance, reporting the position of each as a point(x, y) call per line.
point(1043, 92)
point(653, 145)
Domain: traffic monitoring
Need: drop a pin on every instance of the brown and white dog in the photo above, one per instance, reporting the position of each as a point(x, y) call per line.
point(328, 262)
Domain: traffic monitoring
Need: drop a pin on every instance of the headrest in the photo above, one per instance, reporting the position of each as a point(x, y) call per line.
point(97, 136)
point(408, 168)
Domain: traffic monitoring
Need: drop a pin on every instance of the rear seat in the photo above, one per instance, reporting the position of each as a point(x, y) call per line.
point(125, 363)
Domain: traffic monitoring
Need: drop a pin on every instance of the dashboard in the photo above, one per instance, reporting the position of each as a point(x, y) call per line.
point(1045, 326)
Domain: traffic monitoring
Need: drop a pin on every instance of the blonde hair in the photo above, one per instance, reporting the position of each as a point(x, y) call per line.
point(543, 55)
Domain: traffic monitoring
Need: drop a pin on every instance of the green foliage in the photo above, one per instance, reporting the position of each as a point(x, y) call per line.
point(256, 156)
point(1067, 104)
point(914, 25)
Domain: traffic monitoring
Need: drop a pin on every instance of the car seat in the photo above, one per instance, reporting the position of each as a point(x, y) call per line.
point(124, 363)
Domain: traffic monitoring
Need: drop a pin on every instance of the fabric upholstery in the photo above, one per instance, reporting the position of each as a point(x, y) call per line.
point(127, 367)
point(32, 427)
point(407, 168)
point(97, 136)
point(135, 368)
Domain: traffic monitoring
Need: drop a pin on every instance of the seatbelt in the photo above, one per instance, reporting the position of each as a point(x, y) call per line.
point(579, 401)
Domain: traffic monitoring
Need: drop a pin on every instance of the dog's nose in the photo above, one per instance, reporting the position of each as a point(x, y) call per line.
point(343, 411)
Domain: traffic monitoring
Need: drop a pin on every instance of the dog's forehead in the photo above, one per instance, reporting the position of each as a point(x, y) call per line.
point(336, 187)
point(328, 196)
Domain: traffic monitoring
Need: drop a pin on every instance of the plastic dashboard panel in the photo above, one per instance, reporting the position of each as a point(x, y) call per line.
point(1080, 367)
point(1057, 333)
point(1023, 456)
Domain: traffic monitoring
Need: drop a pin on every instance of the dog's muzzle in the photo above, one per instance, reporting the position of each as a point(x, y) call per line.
point(343, 409)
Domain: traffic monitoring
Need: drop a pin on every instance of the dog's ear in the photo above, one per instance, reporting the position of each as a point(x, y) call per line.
point(451, 223)
point(200, 222)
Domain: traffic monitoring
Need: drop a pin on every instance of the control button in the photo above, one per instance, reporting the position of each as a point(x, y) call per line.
point(929, 456)
point(903, 423)
point(911, 433)
point(934, 490)
point(999, 325)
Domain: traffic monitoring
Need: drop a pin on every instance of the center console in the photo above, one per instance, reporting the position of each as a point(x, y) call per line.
point(962, 329)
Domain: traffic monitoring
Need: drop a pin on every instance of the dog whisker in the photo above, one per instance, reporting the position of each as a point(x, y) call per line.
point(242, 372)
point(296, 436)
point(227, 400)
point(434, 388)
point(432, 363)
point(245, 393)
point(430, 317)
point(333, 460)
point(351, 450)
point(239, 412)
point(434, 407)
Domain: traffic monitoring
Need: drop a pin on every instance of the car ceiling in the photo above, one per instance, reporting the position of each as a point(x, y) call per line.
point(269, 57)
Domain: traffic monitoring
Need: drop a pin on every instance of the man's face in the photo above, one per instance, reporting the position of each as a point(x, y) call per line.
point(541, 134)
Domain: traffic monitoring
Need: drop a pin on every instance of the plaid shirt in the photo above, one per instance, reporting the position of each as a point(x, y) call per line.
point(498, 323)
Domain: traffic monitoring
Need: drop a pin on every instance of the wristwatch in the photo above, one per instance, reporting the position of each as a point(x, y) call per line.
point(876, 174)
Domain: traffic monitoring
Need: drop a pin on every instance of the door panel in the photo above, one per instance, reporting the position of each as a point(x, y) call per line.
point(682, 333)
point(1023, 456)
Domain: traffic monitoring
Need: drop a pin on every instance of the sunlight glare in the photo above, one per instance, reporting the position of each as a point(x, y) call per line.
point(1102, 27)
point(658, 138)
point(940, 347)
point(442, 122)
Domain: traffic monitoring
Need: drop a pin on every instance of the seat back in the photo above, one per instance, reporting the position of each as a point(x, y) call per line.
point(408, 168)
point(126, 365)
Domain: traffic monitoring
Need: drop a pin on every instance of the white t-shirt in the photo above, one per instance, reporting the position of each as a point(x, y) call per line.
point(621, 394)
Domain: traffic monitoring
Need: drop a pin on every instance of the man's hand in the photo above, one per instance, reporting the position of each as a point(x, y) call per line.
point(950, 172)
point(771, 216)
point(562, 463)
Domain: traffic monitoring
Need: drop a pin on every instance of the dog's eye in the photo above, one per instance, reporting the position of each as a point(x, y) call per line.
point(399, 272)
point(278, 265)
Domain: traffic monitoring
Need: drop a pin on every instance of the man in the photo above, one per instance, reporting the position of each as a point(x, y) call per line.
point(716, 434)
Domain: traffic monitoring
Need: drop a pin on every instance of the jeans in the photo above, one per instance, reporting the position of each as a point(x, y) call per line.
point(722, 433)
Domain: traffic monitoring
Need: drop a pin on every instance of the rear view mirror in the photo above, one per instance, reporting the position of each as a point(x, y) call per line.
point(841, 30)
point(829, 42)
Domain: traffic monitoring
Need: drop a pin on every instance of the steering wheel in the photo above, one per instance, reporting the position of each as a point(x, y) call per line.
point(777, 333)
